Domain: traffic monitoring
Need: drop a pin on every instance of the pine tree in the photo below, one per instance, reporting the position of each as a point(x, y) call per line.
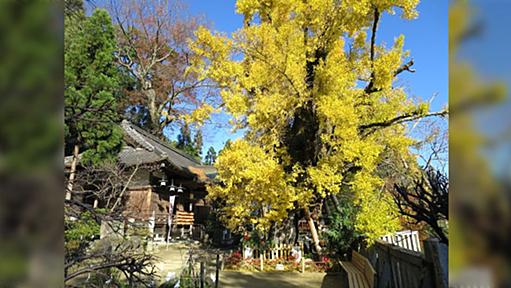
point(197, 143)
point(210, 156)
point(184, 139)
point(185, 143)
point(91, 88)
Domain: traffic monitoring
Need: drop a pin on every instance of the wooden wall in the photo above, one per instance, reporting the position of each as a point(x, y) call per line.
point(398, 267)
point(138, 204)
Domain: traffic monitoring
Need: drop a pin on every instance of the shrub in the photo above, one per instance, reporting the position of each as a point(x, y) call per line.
point(233, 261)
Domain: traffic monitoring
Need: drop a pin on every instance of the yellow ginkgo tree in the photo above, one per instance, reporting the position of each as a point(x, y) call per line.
point(318, 99)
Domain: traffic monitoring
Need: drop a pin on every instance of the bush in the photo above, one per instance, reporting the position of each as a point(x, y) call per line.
point(234, 260)
point(340, 234)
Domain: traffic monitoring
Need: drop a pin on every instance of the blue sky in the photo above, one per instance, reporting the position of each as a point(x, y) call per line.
point(425, 37)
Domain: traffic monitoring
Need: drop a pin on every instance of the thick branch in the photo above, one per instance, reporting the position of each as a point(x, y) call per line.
point(400, 119)
point(373, 35)
point(405, 67)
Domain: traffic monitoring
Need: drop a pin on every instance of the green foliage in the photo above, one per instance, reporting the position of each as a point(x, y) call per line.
point(341, 233)
point(78, 233)
point(30, 106)
point(186, 144)
point(256, 240)
point(91, 88)
point(210, 156)
point(73, 7)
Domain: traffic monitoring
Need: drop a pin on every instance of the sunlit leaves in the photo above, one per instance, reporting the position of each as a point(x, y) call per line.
point(294, 56)
point(253, 185)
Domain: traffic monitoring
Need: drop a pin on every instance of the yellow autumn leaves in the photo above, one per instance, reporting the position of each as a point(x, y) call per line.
point(254, 187)
point(289, 54)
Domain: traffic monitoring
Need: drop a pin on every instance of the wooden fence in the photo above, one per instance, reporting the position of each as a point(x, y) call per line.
point(402, 268)
point(279, 251)
point(405, 239)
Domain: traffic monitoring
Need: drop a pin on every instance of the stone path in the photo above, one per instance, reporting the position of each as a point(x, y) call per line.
point(173, 257)
point(279, 279)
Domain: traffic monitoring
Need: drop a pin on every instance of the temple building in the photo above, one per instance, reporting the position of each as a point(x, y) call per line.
point(168, 188)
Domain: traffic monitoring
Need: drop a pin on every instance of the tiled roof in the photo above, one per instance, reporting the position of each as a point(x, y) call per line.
point(150, 149)
point(132, 156)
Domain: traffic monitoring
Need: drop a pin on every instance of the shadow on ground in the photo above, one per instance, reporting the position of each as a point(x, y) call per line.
point(231, 279)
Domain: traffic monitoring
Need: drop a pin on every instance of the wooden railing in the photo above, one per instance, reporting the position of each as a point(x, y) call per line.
point(278, 251)
point(405, 239)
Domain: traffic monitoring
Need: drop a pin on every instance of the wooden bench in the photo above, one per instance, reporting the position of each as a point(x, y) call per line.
point(360, 273)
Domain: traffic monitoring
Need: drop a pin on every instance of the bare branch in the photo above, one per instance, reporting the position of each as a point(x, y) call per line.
point(425, 201)
point(405, 67)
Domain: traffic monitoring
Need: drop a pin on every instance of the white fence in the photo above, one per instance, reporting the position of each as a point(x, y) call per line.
point(278, 251)
point(405, 239)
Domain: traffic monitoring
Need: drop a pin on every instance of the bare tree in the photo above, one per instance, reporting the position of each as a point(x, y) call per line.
point(153, 48)
point(426, 200)
point(100, 194)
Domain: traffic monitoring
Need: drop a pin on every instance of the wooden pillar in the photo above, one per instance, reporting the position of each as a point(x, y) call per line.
point(314, 232)
point(436, 253)
point(202, 274)
point(72, 172)
point(217, 268)
point(261, 257)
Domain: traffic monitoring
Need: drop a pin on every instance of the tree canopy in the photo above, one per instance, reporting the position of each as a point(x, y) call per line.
point(91, 87)
point(153, 50)
point(318, 98)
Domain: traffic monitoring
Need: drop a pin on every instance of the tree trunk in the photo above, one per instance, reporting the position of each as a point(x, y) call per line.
point(327, 209)
point(296, 223)
point(152, 107)
point(314, 232)
point(72, 173)
point(336, 203)
point(439, 232)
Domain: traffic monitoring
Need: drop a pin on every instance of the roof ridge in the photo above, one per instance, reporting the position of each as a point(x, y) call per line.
point(159, 141)
point(134, 134)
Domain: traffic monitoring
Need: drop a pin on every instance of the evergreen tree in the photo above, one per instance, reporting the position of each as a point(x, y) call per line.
point(210, 156)
point(72, 7)
point(91, 87)
point(197, 143)
point(184, 139)
point(185, 143)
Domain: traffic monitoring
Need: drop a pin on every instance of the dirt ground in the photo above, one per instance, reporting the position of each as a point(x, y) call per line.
point(232, 279)
point(172, 259)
